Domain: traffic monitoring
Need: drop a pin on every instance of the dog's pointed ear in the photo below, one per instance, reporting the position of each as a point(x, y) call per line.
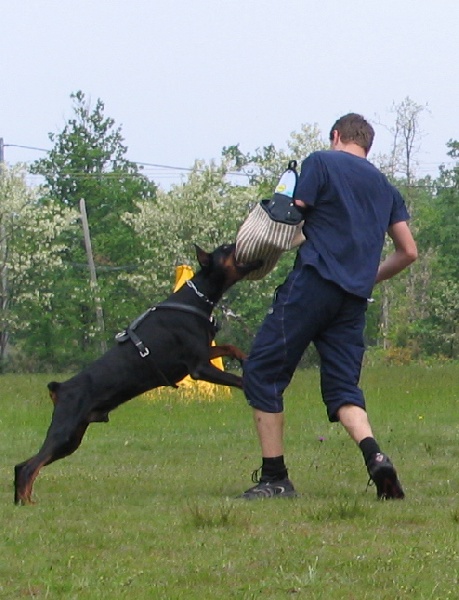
point(202, 256)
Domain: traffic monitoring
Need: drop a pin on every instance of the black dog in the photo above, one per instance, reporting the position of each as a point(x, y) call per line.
point(168, 342)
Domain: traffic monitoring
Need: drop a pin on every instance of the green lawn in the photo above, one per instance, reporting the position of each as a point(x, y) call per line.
point(145, 508)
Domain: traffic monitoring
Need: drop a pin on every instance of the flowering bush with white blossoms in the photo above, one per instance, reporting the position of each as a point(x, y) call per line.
point(29, 248)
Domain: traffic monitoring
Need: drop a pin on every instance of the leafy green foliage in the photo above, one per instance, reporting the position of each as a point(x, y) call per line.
point(435, 330)
point(31, 254)
point(88, 161)
point(141, 233)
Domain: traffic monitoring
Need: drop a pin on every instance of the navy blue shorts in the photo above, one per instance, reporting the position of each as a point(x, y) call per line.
point(308, 308)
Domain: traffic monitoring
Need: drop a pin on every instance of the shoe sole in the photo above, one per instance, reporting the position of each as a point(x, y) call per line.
point(291, 494)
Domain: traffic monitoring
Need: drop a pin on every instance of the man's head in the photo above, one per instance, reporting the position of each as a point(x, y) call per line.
point(352, 129)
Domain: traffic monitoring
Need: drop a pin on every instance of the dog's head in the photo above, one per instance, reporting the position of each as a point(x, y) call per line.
point(222, 267)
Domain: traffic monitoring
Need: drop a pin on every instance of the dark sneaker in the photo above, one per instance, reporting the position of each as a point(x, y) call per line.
point(384, 476)
point(280, 488)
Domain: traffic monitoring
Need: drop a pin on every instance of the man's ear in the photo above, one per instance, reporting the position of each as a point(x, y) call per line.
point(335, 138)
point(202, 256)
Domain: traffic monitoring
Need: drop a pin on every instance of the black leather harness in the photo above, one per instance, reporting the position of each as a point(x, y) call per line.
point(130, 334)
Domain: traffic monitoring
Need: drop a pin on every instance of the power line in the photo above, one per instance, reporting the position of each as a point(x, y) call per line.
point(166, 174)
point(26, 147)
point(137, 162)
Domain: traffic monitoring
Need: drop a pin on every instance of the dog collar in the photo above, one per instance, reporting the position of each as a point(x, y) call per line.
point(197, 292)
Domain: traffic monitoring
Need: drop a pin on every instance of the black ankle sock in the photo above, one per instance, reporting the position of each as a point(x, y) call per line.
point(274, 468)
point(369, 447)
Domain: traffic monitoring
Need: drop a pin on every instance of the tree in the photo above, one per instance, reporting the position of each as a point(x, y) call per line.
point(401, 298)
point(31, 255)
point(444, 231)
point(88, 161)
point(436, 330)
point(406, 135)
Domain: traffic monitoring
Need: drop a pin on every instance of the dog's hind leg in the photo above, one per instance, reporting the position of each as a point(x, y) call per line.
point(59, 442)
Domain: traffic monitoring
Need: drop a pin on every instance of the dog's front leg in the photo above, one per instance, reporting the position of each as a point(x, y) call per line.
point(227, 350)
point(212, 374)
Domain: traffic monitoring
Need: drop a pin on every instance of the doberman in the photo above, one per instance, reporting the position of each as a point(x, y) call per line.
point(162, 346)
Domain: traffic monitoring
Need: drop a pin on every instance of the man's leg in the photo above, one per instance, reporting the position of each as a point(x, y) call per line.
point(380, 469)
point(274, 481)
point(270, 429)
point(284, 335)
point(355, 421)
point(341, 349)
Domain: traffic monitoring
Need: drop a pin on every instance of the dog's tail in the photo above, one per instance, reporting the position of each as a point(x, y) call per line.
point(53, 387)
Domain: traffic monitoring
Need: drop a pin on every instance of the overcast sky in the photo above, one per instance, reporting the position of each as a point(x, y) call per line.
point(185, 78)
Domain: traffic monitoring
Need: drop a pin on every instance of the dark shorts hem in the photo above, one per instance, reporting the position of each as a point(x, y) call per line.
point(333, 407)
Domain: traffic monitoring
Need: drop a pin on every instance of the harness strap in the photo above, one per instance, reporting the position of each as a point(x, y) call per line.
point(210, 319)
point(124, 335)
point(144, 351)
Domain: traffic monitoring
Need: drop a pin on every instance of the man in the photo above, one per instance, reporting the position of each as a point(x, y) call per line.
point(349, 205)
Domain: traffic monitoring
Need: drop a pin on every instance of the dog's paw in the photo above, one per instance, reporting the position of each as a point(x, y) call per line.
point(241, 358)
point(239, 384)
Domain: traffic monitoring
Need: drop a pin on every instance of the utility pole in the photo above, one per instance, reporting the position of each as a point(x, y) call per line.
point(4, 271)
point(92, 274)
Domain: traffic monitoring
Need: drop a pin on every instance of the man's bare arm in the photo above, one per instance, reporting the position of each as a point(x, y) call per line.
point(405, 252)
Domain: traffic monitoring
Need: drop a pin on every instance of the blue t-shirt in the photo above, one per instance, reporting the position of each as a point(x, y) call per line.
point(351, 205)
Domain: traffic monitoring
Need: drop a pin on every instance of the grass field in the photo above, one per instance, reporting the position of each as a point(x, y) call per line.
point(145, 508)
